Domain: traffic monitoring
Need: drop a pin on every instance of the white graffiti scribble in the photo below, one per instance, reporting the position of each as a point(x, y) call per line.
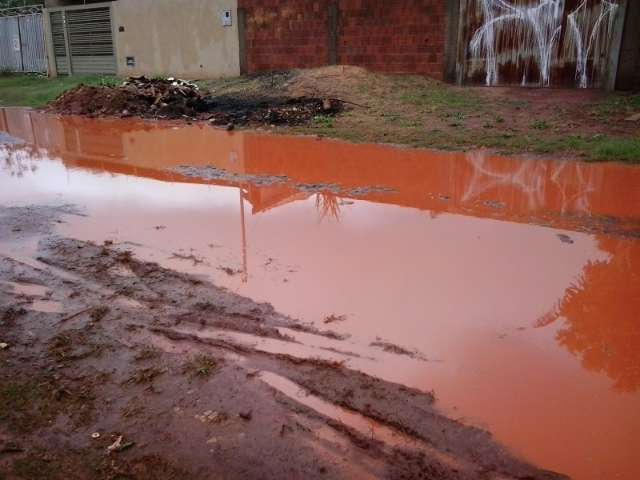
point(580, 22)
point(537, 29)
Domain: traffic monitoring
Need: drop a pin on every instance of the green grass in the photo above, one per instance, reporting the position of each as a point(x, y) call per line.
point(595, 148)
point(37, 91)
point(434, 95)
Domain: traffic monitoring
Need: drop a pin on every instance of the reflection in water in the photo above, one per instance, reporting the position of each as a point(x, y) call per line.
point(600, 312)
point(328, 206)
point(461, 274)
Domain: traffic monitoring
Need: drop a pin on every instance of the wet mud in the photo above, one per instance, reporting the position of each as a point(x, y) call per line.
point(117, 384)
point(370, 302)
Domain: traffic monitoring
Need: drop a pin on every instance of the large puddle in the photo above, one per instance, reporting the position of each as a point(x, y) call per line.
point(516, 281)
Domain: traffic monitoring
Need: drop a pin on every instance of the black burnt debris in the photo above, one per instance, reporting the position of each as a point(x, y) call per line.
point(170, 98)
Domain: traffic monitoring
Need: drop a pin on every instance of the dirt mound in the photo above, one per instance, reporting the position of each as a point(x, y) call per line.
point(172, 99)
point(333, 80)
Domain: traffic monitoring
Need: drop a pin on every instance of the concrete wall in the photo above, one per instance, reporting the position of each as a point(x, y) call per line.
point(183, 38)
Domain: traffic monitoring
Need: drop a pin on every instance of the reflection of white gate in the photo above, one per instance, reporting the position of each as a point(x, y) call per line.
point(22, 47)
point(82, 39)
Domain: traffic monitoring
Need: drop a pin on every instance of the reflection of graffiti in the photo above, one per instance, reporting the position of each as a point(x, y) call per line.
point(536, 30)
point(19, 161)
point(532, 181)
point(328, 206)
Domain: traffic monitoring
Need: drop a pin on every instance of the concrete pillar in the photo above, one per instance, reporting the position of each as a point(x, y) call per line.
point(615, 47)
point(452, 40)
point(48, 43)
point(628, 66)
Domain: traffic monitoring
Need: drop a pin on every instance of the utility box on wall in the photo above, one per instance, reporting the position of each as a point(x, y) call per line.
point(227, 18)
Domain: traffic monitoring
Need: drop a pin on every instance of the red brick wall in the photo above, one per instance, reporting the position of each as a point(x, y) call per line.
point(399, 36)
point(403, 36)
point(283, 34)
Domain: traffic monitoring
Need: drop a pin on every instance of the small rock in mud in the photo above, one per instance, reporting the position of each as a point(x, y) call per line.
point(246, 415)
point(565, 238)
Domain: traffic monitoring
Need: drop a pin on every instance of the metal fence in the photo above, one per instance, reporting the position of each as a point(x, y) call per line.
point(22, 43)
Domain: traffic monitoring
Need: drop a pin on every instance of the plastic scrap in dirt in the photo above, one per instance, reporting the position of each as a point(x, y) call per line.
point(171, 98)
point(211, 417)
point(4, 346)
point(119, 445)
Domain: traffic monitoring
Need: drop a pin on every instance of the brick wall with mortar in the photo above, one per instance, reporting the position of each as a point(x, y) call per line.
point(403, 36)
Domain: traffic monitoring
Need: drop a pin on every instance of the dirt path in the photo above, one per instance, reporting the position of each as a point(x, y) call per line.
point(115, 368)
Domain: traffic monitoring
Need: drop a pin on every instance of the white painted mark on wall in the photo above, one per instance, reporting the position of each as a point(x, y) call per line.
point(537, 29)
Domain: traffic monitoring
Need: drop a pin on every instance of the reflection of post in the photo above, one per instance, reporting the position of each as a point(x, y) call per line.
point(245, 270)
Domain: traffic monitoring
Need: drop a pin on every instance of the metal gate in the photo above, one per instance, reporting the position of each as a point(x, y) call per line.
point(82, 40)
point(22, 44)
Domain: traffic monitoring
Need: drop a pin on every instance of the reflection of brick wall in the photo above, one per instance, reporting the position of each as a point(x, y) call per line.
point(403, 36)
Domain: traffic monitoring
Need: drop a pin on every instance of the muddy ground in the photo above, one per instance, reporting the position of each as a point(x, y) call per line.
point(135, 371)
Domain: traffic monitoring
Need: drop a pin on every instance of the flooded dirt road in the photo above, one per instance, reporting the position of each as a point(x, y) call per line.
point(510, 288)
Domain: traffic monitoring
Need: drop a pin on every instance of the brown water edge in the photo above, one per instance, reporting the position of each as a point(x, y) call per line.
point(517, 280)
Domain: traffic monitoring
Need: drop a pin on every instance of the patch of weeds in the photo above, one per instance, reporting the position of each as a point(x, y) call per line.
point(110, 82)
point(125, 257)
point(144, 375)
point(201, 366)
point(441, 96)
point(147, 353)
point(323, 121)
point(28, 404)
point(616, 103)
point(72, 345)
point(456, 119)
point(10, 316)
point(627, 150)
point(596, 148)
point(98, 313)
point(391, 117)
point(21, 407)
point(540, 125)
point(33, 467)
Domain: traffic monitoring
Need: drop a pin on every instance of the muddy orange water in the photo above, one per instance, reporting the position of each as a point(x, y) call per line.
point(517, 280)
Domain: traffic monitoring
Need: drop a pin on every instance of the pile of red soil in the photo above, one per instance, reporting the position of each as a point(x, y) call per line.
point(172, 99)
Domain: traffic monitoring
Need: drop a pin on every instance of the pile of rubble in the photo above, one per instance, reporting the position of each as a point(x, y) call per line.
point(172, 98)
